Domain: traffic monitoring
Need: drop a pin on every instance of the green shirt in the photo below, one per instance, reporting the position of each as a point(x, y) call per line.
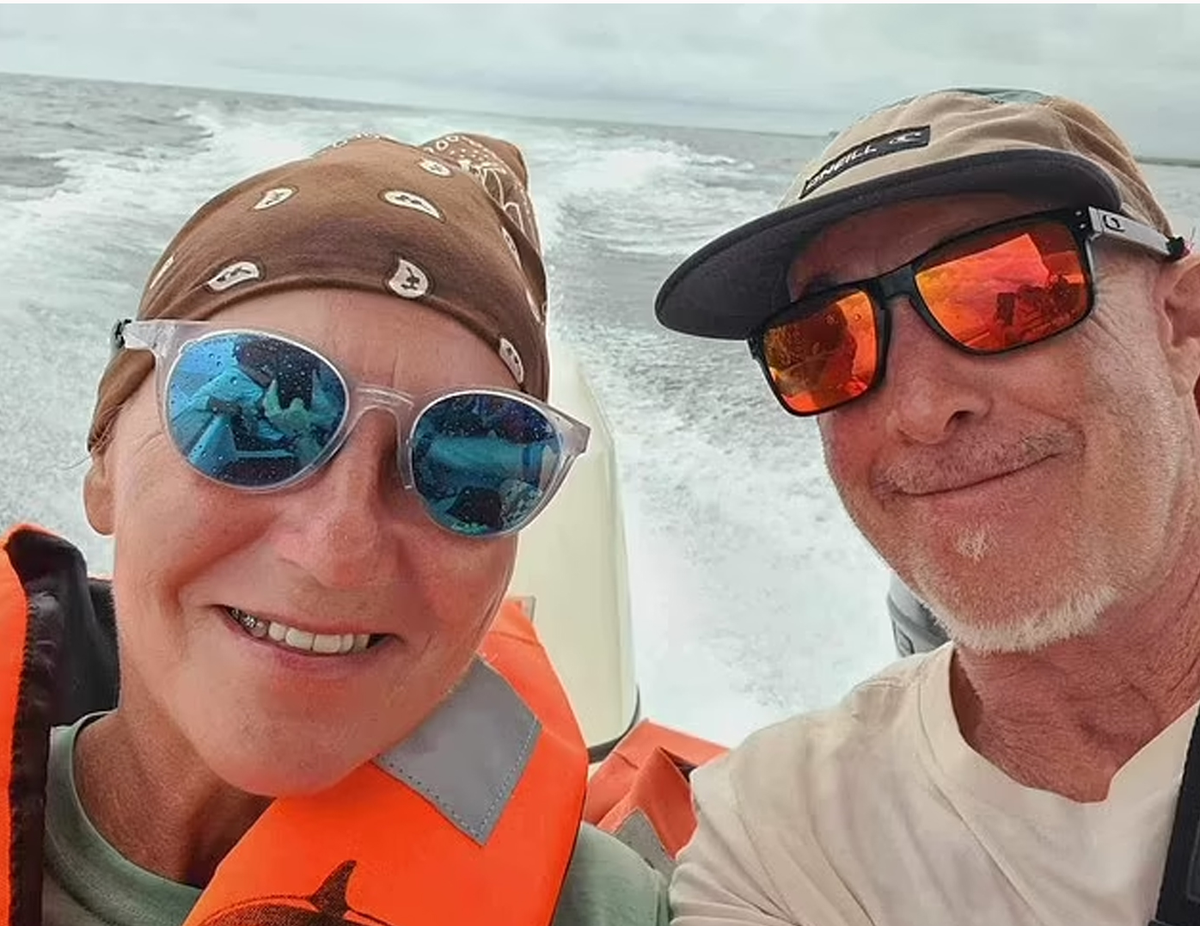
point(88, 883)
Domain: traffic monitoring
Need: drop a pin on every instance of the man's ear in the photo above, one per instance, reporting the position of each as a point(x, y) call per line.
point(1178, 292)
point(98, 493)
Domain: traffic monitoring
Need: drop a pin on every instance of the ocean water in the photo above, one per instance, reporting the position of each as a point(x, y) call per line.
point(753, 595)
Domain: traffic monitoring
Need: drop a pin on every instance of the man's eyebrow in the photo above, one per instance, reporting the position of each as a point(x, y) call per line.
point(821, 281)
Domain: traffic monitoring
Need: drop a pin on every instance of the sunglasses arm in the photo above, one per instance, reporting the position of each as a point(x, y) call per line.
point(160, 336)
point(1107, 224)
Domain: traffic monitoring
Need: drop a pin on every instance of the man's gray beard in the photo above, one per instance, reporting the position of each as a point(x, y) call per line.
point(1075, 616)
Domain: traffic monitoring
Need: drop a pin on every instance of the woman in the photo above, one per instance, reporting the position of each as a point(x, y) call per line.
point(309, 450)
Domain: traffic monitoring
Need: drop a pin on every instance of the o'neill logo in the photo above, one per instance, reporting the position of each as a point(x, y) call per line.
point(877, 147)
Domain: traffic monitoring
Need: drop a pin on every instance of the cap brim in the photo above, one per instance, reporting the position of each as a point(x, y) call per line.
point(733, 284)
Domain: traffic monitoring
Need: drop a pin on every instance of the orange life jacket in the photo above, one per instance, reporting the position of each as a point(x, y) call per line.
point(471, 819)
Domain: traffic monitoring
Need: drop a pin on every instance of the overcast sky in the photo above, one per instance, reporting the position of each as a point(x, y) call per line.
point(782, 68)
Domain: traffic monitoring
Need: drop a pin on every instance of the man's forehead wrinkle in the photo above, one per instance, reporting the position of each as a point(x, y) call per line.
point(817, 283)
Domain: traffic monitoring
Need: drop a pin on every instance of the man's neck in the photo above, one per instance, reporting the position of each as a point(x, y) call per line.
point(1068, 717)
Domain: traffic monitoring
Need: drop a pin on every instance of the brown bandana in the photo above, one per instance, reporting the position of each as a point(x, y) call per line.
point(448, 225)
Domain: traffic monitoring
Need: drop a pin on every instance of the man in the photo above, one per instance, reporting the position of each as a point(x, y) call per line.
point(1025, 454)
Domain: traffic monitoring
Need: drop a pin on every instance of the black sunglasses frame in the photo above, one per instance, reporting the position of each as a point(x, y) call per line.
point(1086, 226)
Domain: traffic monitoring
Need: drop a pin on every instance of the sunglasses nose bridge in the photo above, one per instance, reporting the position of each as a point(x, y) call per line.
point(400, 406)
point(885, 290)
point(896, 283)
point(901, 283)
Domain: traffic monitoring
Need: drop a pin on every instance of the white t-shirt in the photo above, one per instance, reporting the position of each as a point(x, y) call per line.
point(878, 813)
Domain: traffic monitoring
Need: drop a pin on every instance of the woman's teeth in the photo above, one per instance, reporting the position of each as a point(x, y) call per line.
point(323, 644)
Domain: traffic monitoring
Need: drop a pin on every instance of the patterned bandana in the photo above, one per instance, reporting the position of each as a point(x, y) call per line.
point(448, 225)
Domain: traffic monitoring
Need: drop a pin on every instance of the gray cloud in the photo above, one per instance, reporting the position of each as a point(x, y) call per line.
point(789, 68)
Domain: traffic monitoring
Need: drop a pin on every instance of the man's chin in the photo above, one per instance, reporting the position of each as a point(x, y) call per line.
point(997, 628)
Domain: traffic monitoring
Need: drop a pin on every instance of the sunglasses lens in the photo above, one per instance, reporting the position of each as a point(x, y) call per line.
point(483, 463)
point(1007, 288)
point(825, 357)
point(251, 410)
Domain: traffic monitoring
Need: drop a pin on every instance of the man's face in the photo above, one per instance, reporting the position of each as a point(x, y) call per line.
point(1020, 495)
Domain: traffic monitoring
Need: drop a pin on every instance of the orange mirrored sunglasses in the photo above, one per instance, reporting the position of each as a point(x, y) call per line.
point(992, 290)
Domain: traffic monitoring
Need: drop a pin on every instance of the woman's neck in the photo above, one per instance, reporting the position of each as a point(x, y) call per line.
point(154, 801)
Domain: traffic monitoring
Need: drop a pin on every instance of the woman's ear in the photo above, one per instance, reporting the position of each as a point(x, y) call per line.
point(98, 493)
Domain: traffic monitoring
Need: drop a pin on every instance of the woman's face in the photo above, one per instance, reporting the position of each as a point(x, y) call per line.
point(349, 551)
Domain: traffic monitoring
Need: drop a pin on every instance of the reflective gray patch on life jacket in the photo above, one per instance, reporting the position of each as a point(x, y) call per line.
point(467, 757)
point(639, 834)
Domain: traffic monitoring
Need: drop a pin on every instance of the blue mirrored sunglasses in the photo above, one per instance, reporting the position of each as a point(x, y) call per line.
point(260, 412)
